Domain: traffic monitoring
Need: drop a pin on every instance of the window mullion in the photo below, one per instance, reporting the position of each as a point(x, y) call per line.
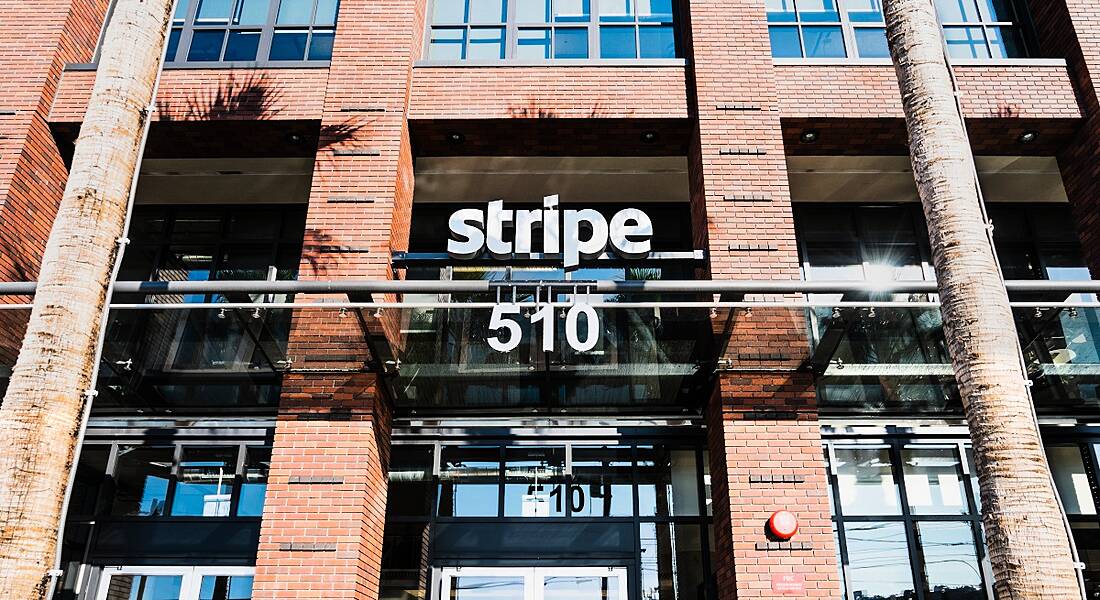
point(511, 32)
point(187, 31)
point(267, 33)
point(593, 29)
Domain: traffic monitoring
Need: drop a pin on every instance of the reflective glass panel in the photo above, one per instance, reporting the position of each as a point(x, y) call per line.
point(950, 560)
point(780, 11)
point(252, 12)
point(173, 43)
point(320, 44)
point(206, 45)
point(488, 11)
point(1087, 537)
point(90, 473)
point(409, 492)
point(213, 12)
point(571, 43)
point(294, 12)
point(533, 44)
point(1006, 42)
point(657, 42)
point(866, 482)
point(601, 482)
point(654, 10)
point(617, 42)
point(671, 561)
point(326, 12)
point(957, 11)
point(225, 587)
point(486, 43)
point(572, 11)
point(871, 42)
point(878, 561)
point(933, 481)
point(532, 11)
point(965, 42)
point(818, 11)
point(469, 481)
point(785, 42)
point(565, 587)
point(289, 44)
point(449, 11)
point(486, 588)
point(823, 42)
point(997, 10)
point(254, 484)
point(447, 43)
point(141, 480)
point(534, 482)
point(204, 484)
point(668, 482)
point(1068, 467)
point(145, 587)
point(865, 11)
point(616, 11)
point(242, 45)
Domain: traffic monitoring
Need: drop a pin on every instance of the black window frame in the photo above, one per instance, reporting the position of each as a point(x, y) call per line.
point(511, 28)
point(895, 444)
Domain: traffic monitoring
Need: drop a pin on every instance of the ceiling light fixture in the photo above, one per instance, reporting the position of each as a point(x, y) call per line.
point(650, 137)
point(455, 137)
point(809, 136)
point(1028, 137)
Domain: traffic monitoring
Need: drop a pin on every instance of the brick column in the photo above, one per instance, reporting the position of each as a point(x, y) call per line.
point(765, 440)
point(1070, 29)
point(323, 521)
point(42, 37)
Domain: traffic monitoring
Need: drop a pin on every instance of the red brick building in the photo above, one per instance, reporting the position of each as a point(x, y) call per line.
point(389, 443)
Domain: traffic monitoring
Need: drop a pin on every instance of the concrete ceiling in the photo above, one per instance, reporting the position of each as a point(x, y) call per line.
point(225, 181)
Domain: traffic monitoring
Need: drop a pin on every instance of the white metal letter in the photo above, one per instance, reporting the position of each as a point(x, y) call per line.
point(575, 247)
point(551, 227)
point(494, 229)
point(572, 333)
point(472, 238)
point(497, 322)
point(631, 241)
point(545, 314)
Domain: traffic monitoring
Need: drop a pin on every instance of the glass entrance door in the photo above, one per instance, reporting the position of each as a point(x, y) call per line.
point(532, 583)
point(175, 583)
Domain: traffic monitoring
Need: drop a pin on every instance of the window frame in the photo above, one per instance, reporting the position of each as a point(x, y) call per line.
point(511, 27)
point(267, 31)
point(848, 28)
point(895, 445)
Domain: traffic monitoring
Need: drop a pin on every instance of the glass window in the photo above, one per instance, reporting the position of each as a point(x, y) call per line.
point(142, 475)
point(601, 482)
point(145, 587)
point(972, 28)
point(551, 29)
point(409, 493)
point(534, 482)
point(236, 31)
point(204, 486)
point(1068, 467)
point(486, 588)
point(254, 482)
point(866, 481)
point(950, 560)
point(469, 481)
point(672, 565)
point(225, 587)
point(91, 471)
point(933, 481)
point(668, 482)
point(878, 560)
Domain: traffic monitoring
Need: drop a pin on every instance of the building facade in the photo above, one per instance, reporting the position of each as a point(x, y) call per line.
point(510, 429)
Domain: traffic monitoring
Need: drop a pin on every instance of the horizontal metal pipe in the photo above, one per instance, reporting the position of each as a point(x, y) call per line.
point(705, 286)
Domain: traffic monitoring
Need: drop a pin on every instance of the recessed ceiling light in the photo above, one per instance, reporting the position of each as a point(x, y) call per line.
point(455, 137)
point(809, 136)
point(1027, 137)
point(650, 137)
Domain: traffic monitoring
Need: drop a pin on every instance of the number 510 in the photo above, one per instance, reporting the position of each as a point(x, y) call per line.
point(503, 319)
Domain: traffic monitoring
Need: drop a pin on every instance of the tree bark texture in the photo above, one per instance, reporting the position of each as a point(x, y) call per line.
point(43, 410)
point(1028, 545)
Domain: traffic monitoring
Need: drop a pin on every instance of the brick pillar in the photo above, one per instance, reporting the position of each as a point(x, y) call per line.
point(42, 37)
point(323, 523)
point(762, 420)
point(1070, 29)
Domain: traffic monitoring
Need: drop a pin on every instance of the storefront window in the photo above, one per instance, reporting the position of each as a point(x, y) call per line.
point(145, 587)
point(920, 536)
point(671, 561)
point(142, 476)
point(534, 482)
point(469, 481)
point(668, 482)
point(204, 483)
point(254, 482)
point(410, 481)
point(225, 587)
point(1071, 479)
point(602, 482)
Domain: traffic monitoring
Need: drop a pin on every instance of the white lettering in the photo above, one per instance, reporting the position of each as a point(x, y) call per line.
point(471, 238)
point(631, 241)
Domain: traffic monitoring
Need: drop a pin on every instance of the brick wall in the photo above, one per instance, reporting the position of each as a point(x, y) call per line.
point(548, 92)
point(763, 420)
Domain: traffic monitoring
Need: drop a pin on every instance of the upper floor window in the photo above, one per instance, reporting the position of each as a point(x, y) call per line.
point(252, 31)
point(856, 28)
point(551, 29)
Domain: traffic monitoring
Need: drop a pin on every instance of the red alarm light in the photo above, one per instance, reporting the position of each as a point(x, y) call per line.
point(783, 524)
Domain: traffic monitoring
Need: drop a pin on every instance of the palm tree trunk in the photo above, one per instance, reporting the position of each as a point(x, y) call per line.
point(43, 410)
point(1028, 544)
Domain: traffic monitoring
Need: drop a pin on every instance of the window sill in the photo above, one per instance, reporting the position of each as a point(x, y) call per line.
point(317, 64)
point(580, 62)
point(958, 62)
